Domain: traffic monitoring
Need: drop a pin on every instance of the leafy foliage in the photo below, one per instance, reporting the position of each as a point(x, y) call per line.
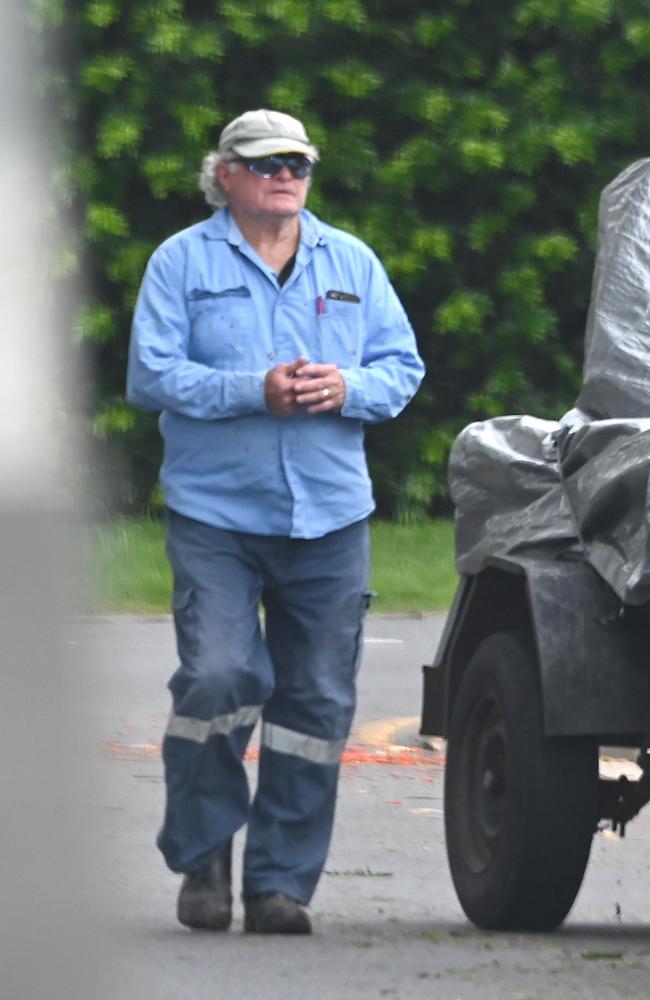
point(467, 144)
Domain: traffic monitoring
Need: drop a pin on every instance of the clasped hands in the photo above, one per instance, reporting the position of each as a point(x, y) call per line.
point(318, 388)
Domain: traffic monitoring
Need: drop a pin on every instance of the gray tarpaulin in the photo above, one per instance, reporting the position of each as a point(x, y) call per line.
point(581, 484)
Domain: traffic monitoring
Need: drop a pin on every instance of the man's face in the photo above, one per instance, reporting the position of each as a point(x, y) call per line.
point(279, 197)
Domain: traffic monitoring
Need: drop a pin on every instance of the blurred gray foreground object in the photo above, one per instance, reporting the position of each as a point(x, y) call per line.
point(521, 485)
point(49, 856)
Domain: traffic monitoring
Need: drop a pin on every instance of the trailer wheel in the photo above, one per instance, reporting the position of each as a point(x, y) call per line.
point(520, 808)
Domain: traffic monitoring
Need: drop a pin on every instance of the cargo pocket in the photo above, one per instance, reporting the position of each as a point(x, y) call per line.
point(366, 601)
point(184, 611)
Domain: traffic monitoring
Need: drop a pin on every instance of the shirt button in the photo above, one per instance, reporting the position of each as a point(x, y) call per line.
point(271, 355)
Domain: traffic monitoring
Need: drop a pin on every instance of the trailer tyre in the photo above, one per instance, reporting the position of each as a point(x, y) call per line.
point(520, 808)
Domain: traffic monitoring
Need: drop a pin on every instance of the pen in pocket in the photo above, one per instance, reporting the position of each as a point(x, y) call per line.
point(320, 306)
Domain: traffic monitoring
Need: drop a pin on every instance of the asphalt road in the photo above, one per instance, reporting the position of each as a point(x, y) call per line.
point(386, 919)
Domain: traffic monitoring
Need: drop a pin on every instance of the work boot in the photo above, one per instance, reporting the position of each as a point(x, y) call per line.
point(205, 899)
point(275, 913)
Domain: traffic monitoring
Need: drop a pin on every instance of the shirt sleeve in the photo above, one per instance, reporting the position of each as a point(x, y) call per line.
point(160, 375)
point(391, 369)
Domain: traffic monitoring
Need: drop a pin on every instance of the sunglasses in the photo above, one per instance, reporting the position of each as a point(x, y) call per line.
point(268, 166)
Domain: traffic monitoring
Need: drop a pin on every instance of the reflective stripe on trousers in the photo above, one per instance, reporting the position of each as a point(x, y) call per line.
point(274, 737)
point(200, 730)
point(300, 745)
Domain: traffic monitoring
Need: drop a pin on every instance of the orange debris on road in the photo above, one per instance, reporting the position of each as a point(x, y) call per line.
point(401, 756)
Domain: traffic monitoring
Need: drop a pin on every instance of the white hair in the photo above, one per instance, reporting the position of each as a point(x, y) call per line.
point(208, 180)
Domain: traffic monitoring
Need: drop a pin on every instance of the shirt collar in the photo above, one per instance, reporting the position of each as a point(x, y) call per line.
point(222, 226)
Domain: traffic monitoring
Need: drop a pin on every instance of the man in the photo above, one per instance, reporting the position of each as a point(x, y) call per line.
point(266, 338)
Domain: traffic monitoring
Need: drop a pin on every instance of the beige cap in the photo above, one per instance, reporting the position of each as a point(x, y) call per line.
point(262, 132)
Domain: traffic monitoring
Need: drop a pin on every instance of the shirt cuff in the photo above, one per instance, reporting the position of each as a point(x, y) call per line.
point(353, 401)
point(248, 393)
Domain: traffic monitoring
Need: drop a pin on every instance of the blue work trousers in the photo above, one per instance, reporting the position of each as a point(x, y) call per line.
point(298, 674)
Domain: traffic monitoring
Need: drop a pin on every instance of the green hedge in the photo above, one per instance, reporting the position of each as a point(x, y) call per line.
point(467, 143)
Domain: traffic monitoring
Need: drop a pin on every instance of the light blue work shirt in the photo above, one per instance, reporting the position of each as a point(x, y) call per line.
point(211, 320)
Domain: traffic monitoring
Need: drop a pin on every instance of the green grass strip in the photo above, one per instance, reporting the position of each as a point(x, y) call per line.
point(413, 567)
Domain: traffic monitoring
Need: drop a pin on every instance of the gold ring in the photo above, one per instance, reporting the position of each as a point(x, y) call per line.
point(326, 393)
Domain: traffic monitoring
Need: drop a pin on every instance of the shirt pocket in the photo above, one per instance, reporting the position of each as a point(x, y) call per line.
point(339, 334)
point(221, 327)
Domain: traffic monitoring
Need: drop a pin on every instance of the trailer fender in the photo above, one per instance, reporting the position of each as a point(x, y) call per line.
point(591, 653)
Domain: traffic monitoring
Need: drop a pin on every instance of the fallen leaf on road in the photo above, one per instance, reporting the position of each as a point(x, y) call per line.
point(358, 873)
point(435, 936)
point(602, 956)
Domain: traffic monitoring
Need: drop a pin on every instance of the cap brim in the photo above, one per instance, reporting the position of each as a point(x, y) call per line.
point(266, 147)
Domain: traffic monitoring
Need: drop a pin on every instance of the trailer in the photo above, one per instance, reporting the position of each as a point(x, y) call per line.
point(539, 665)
